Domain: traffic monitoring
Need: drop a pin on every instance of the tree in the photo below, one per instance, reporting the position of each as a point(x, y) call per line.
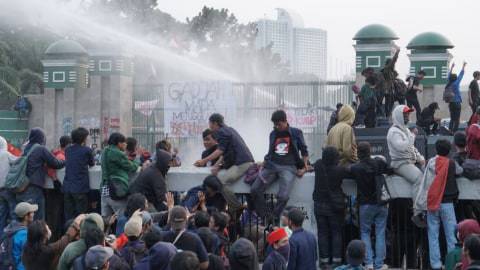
point(228, 45)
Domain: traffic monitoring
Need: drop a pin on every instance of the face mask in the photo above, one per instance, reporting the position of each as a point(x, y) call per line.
point(284, 251)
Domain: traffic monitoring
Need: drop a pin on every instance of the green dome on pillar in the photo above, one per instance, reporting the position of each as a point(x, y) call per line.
point(374, 44)
point(377, 32)
point(65, 65)
point(65, 47)
point(430, 40)
point(429, 52)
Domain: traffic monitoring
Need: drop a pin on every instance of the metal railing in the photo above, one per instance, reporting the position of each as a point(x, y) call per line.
point(253, 101)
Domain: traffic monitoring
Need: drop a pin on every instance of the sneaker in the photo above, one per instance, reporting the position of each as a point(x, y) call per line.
point(384, 267)
point(419, 221)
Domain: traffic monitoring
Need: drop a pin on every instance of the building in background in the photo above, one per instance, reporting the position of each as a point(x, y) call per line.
point(305, 49)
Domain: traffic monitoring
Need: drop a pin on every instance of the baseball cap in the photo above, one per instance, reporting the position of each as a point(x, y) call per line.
point(355, 252)
point(178, 217)
point(133, 227)
point(407, 109)
point(23, 208)
point(276, 235)
point(97, 256)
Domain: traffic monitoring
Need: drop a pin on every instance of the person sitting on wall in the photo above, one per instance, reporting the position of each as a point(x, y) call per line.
point(341, 136)
point(237, 158)
point(286, 159)
point(427, 119)
point(210, 144)
point(404, 155)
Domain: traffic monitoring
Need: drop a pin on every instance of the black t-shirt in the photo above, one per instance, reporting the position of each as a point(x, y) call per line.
point(416, 82)
point(208, 152)
point(188, 241)
point(283, 149)
point(475, 92)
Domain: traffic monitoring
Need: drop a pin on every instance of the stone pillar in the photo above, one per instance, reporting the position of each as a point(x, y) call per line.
point(429, 52)
point(49, 116)
point(374, 44)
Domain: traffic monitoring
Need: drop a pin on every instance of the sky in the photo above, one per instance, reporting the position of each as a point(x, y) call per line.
point(457, 20)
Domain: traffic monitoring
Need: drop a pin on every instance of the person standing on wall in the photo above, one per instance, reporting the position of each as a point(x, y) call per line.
point(455, 104)
point(474, 93)
point(389, 74)
point(286, 159)
point(237, 158)
point(413, 88)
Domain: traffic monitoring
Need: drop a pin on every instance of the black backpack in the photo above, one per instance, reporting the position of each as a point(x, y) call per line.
point(7, 261)
point(448, 93)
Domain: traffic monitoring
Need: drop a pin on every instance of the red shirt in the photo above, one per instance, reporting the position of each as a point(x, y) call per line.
point(473, 142)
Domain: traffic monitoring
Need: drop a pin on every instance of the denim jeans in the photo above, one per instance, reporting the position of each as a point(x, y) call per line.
point(7, 208)
point(329, 231)
point(372, 214)
point(33, 194)
point(446, 214)
point(286, 176)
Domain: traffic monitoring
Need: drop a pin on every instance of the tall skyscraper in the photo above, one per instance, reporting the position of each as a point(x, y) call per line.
point(304, 49)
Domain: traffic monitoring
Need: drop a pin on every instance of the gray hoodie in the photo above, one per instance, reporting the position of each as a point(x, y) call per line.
point(401, 142)
point(5, 160)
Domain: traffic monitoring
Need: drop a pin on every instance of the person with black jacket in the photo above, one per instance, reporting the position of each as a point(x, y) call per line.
point(413, 88)
point(329, 206)
point(37, 171)
point(286, 159)
point(474, 92)
point(237, 158)
point(371, 212)
point(151, 182)
point(427, 119)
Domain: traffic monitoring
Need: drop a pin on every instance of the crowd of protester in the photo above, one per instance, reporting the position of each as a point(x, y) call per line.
point(136, 222)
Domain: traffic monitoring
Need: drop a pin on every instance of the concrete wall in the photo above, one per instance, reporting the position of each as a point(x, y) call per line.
point(182, 179)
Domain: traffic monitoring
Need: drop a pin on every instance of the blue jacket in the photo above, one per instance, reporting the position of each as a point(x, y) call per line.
point(78, 159)
point(18, 242)
point(303, 250)
point(298, 143)
point(456, 87)
point(36, 170)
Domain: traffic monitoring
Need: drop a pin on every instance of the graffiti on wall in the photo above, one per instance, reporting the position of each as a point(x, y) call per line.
point(67, 125)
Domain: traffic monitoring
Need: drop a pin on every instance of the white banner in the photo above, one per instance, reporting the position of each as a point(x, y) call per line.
point(145, 107)
point(302, 117)
point(188, 105)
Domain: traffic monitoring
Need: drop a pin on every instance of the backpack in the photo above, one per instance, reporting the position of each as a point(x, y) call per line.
point(381, 190)
point(448, 93)
point(16, 179)
point(471, 169)
point(7, 262)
